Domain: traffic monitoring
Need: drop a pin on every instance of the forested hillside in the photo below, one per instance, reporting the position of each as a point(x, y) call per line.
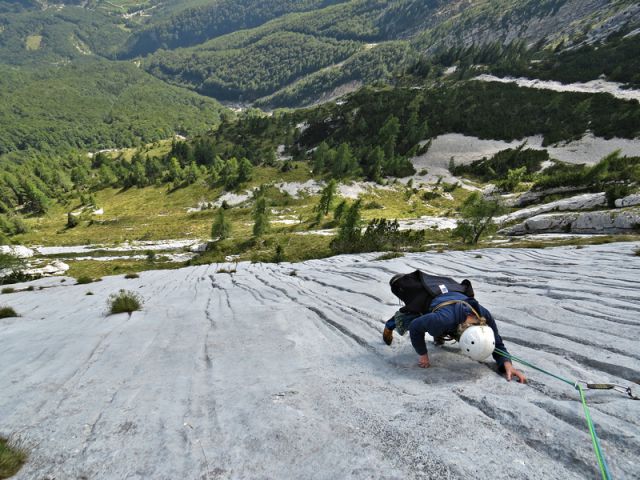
point(199, 24)
point(93, 105)
point(303, 75)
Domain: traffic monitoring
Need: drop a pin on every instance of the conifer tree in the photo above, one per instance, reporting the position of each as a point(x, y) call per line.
point(245, 170)
point(326, 198)
point(260, 216)
point(221, 228)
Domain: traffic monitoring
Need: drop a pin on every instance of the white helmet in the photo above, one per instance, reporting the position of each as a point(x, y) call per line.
point(478, 342)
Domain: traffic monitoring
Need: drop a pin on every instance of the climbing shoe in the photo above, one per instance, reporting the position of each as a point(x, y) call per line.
point(387, 336)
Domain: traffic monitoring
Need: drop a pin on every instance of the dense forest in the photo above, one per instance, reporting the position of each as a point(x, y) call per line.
point(197, 25)
point(105, 105)
point(617, 59)
point(254, 71)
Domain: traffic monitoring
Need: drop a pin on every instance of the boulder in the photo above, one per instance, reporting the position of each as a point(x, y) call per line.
point(54, 268)
point(628, 201)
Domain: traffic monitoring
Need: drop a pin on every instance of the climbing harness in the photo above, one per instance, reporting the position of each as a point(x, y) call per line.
point(602, 464)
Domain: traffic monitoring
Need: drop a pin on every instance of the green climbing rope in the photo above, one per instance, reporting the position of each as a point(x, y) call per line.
point(602, 463)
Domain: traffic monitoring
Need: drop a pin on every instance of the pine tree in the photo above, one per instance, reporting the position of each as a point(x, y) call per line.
point(477, 215)
point(320, 158)
point(230, 174)
point(260, 217)
point(245, 170)
point(221, 228)
point(326, 198)
point(349, 233)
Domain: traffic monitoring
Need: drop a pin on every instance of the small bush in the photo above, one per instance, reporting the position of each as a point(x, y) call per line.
point(89, 292)
point(279, 254)
point(11, 459)
point(124, 301)
point(637, 252)
point(84, 279)
point(7, 312)
point(373, 205)
point(8, 290)
point(130, 276)
point(389, 256)
point(30, 288)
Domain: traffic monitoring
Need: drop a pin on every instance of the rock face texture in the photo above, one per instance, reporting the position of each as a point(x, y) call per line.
point(628, 201)
point(601, 222)
point(265, 374)
point(580, 202)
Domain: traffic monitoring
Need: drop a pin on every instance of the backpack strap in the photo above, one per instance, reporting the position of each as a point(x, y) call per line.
point(480, 320)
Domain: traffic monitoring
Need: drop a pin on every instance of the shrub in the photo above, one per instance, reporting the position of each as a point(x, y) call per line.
point(124, 301)
point(389, 256)
point(373, 205)
point(7, 312)
point(11, 459)
point(279, 254)
point(83, 280)
point(30, 288)
point(89, 292)
point(72, 220)
point(130, 276)
point(614, 192)
point(8, 290)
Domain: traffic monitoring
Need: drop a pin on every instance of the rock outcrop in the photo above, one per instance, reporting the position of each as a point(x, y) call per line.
point(628, 201)
point(600, 222)
point(587, 201)
point(532, 197)
point(17, 251)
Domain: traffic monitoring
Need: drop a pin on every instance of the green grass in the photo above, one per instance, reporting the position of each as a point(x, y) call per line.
point(98, 269)
point(7, 290)
point(124, 301)
point(7, 312)
point(11, 459)
point(153, 213)
point(84, 279)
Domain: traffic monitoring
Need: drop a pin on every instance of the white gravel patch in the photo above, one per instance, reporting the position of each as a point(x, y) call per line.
point(427, 222)
point(17, 251)
point(593, 86)
point(124, 247)
point(323, 233)
point(233, 198)
point(296, 189)
point(465, 149)
point(355, 189)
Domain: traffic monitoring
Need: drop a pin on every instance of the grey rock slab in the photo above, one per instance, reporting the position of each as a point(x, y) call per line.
point(586, 201)
point(628, 201)
point(597, 222)
point(264, 374)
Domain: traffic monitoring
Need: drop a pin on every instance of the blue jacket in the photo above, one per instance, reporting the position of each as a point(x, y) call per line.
point(447, 319)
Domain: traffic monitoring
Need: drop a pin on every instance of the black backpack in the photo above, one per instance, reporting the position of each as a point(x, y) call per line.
point(418, 289)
